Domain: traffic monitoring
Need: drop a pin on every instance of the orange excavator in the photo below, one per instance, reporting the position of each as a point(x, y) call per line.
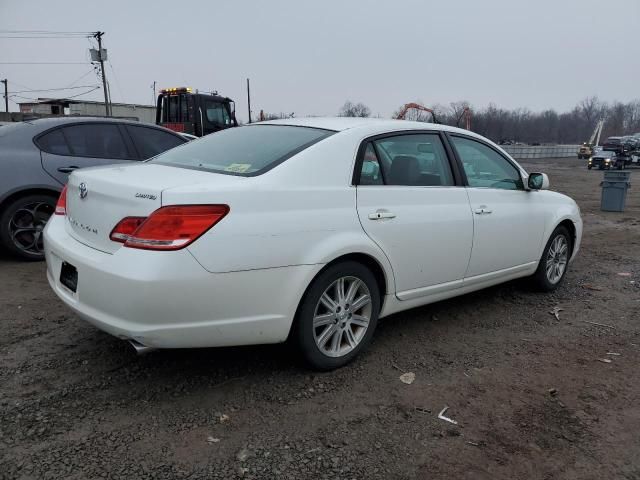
point(416, 106)
point(466, 114)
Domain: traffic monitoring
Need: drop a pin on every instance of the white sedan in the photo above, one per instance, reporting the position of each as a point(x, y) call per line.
point(302, 229)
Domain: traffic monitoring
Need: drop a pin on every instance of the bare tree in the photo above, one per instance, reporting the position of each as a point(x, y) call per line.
point(354, 110)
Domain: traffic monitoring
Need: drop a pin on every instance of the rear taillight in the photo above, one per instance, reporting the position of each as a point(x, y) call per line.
point(61, 206)
point(175, 227)
point(125, 228)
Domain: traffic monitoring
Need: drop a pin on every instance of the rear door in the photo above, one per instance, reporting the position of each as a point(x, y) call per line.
point(68, 148)
point(411, 205)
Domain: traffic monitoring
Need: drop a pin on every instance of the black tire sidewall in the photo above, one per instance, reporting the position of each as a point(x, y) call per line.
point(7, 213)
point(540, 276)
point(304, 317)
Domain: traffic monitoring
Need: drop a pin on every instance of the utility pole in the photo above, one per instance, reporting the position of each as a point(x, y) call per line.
point(249, 100)
point(98, 37)
point(6, 95)
point(153, 95)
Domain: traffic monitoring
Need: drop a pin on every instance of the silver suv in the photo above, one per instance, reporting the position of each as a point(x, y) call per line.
point(37, 156)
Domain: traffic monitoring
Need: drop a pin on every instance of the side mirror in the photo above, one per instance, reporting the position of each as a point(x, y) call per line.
point(538, 181)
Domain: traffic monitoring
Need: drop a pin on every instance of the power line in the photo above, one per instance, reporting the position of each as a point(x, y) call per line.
point(43, 63)
point(54, 89)
point(117, 81)
point(46, 31)
point(65, 98)
point(42, 36)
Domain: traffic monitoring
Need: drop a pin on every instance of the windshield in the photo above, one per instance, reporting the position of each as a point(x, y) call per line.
point(248, 150)
point(606, 154)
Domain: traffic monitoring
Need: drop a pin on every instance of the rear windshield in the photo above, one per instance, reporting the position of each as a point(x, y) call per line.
point(247, 151)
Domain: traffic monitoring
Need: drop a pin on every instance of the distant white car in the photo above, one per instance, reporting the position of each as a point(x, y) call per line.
point(308, 229)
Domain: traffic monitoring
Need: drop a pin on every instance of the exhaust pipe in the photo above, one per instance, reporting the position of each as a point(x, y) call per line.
point(140, 348)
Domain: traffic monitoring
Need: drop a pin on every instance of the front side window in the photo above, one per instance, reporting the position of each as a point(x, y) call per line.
point(485, 167)
point(217, 113)
point(248, 150)
point(409, 159)
point(99, 140)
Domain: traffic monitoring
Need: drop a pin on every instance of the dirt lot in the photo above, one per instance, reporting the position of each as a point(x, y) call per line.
point(530, 393)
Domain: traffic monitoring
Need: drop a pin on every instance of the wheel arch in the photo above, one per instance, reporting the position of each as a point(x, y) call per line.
point(36, 190)
point(382, 277)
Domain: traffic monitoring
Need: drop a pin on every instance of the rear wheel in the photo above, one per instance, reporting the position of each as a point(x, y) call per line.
point(21, 225)
point(555, 259)
point(337, 316)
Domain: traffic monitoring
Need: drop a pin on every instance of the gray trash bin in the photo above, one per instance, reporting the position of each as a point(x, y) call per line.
point(614, 190)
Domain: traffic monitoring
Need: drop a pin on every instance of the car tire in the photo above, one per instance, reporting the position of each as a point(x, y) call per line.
point(556, 252)
point(589, 167)
point(329, 338)
point(21, 225)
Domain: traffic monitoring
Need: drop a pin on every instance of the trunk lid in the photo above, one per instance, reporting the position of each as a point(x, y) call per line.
point(99, 198)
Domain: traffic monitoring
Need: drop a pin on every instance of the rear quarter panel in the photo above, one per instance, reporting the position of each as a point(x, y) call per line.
point(21, 169)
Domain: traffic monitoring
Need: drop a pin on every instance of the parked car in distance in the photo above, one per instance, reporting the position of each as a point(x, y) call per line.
point(37, 156)
point(302, 229)
point(604, 159)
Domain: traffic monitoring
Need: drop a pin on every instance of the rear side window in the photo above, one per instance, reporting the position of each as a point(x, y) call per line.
point(151, 141)
point(246, 151)
point(417, 160)
point(98, 140)
point(54, 142)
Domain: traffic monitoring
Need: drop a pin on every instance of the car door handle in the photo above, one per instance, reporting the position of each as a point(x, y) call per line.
point(380, 214)
point(483, 210)
point(68, 169)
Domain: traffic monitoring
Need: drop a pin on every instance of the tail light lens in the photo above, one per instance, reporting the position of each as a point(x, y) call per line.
point(175, 227)
point(61, 206)
point(125, 228)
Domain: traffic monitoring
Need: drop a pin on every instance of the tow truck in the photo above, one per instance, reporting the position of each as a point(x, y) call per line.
point(184, 111)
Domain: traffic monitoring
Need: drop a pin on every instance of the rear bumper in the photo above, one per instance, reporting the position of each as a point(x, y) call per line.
point(168, 300)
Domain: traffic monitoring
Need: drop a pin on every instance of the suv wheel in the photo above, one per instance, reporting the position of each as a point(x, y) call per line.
point(21, 225)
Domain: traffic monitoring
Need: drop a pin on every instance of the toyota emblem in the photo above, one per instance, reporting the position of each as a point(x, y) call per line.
point(83, 190)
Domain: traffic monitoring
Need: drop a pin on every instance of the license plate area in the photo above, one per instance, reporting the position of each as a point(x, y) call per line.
point(69, 276)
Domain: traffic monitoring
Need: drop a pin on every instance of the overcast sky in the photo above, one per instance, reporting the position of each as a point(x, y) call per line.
point(309, 57)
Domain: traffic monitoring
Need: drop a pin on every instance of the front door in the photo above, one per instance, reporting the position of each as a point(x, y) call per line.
point(409, 205)
point(508, 221)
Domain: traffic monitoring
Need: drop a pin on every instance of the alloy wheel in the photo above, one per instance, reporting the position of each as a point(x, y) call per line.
point(26, 225)
point(341, 317)
point(557, 258)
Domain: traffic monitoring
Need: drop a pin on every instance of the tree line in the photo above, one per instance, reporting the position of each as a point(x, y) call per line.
point(526, 126)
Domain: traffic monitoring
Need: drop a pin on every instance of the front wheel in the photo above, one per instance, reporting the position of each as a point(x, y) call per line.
point(555, 259)
point(21, 225)
point(337, 316)
point(590, 167)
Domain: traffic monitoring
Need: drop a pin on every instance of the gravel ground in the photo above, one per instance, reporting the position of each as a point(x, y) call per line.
point(531, 394)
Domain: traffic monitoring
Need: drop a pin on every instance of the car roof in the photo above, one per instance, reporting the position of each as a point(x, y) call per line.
point(53, 121)
point(380, 125)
